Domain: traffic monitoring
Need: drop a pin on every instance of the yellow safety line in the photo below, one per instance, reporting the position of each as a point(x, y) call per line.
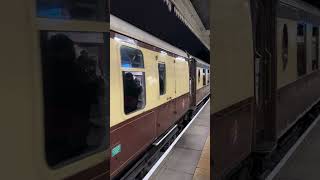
point(202, 171)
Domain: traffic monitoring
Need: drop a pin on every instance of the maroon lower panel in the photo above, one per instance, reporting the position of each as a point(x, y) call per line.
point(294, 99)
point(232, 137)
point(182, 105)
point(165, 117)
point(202, 92)
point(134, 135)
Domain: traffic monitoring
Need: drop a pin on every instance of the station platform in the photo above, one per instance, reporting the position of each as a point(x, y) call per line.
point(302, 162)
point(190, 157)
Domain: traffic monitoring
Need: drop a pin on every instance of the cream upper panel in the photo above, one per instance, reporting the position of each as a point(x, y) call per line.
point(177, 80)
point(232, 57)
point(182, 77)
point(289, 74)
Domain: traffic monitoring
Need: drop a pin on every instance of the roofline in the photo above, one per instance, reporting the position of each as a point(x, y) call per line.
point(201, 61)
point(302, 5)
point(120, 26)
point(125, 28)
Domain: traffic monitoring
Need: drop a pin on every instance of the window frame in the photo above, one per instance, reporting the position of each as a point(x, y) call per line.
point(315, 34)
point(204, 77)
point(103, 146)
point(304, 38)
point(285, 47)
point(103, 16)
point(165, 78)
point(129, 47)
point(131, 69)
point(72, 25)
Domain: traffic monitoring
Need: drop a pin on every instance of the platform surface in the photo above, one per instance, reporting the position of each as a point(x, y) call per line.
point(304, 163)
point(191, 155)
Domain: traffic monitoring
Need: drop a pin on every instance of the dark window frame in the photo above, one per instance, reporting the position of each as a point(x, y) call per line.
point(103, 115)
point(285, 47)
point(204, 78)
point(315, 34)
point(302, 49)
point(59, 10)
point(165, 79)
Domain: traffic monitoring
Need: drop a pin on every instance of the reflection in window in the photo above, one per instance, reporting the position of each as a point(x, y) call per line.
point(73, 9)
point(131, 57)
point(162, 78)
point(134, 91)
point(74, 94)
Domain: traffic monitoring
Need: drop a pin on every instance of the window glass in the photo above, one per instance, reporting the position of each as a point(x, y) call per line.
point(204, 77)
point(208, 77)
point(131, 57)
point(285, 47)
point(73, 9)
point(198, 75)
point(134, 91)
point(301, 50)
point(315, 48)
point(74, 86)
point(301, 30)
point(162, 78)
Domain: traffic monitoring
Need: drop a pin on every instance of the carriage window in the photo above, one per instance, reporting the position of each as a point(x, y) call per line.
point(204, 77)
point(315, 48)
point(301, 50)
point(285, 47)
point(301, 30)
point(131, 57)
point(74, 86)
point(198, 75)
point(95, 10)
point(208, 77)
point(162, 78)
point(134, 91)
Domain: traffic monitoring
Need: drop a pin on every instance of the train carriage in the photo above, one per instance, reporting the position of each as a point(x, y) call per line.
point(54, 90)
point(151, 90)
point(298, 60)
point(266, 78)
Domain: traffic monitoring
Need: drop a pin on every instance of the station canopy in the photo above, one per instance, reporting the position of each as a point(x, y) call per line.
point(154, 17)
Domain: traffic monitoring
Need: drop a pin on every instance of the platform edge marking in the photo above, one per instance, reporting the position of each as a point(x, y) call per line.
point(283, 161)
point(165, 154)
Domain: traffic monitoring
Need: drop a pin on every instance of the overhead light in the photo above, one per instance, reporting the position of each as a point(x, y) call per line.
point(163, 52)
point(180, 59)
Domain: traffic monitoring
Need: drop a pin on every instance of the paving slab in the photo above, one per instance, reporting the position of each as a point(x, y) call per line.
point(183, 161)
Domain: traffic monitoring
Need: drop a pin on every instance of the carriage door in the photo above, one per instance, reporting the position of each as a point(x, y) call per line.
point(192, 80)
point(265, 68)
